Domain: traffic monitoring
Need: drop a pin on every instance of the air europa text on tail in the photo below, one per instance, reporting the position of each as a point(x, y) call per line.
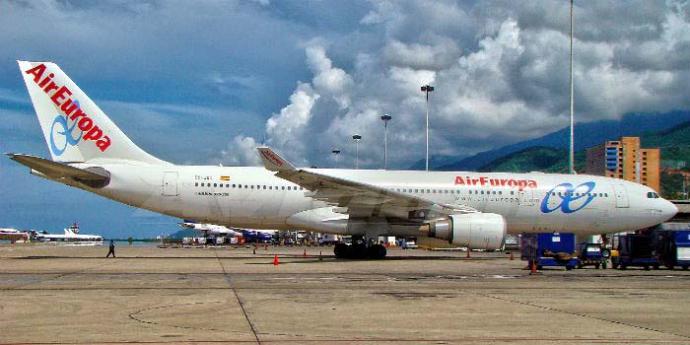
point(60, 95)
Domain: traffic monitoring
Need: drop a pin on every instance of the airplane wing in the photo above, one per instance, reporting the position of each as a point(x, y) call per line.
point(63, 172)
point(361, 200)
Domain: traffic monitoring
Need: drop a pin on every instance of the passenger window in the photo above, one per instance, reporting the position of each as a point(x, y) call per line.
point(196, 184)
point(234, 185)
point(283, 187)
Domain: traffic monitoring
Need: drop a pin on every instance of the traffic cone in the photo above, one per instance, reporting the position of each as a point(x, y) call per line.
point(533, 267)
point(276, 262)
point(512, 257)
point(305, 253)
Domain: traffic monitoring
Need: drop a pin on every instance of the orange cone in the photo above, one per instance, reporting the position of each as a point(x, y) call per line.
point(305, 253)
point(533, 267)
point(276, 262)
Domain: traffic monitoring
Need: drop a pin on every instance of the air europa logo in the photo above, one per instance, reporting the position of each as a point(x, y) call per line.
point(62, 123)
point(90, 131)
point(272, 158)
point(572, 198)
point(495, 182)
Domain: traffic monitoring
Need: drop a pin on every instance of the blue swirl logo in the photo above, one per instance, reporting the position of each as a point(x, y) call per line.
point(572, 199)
point(64, 130)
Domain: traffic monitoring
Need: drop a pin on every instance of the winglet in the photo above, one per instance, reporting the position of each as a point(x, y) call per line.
point(273, 161)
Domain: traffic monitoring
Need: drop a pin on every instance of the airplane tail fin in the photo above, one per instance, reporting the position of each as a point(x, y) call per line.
point(74, 127)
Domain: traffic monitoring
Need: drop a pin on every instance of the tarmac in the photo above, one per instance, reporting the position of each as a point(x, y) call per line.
point(149, 295)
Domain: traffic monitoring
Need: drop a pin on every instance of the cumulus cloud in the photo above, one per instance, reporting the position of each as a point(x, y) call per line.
point(500, 72)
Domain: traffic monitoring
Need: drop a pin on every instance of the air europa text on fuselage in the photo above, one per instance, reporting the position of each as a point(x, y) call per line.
point(60, 96)
point(495, 182)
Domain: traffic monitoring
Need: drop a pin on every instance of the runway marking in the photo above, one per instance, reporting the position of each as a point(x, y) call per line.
point(135, 316)
point(228, 279)
point(58, 275)
point(583, 315)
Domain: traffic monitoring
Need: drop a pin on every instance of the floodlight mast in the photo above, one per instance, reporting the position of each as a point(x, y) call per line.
point(571, 158)
point(427, 89)
point(356, 138)
point(336, 152)
point(385, 118)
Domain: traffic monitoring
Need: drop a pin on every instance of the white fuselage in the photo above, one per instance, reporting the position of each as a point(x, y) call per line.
point(252, 197)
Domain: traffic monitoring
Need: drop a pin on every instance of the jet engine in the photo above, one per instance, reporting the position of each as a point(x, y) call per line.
point(472, 230)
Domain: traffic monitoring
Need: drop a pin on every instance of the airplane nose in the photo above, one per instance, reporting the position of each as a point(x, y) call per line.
point(669, 210)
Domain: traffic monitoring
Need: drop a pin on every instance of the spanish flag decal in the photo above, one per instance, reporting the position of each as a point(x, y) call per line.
point(225, 178)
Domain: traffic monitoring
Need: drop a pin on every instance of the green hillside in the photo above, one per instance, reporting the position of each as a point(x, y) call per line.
point(674, 144)
point(545, 159)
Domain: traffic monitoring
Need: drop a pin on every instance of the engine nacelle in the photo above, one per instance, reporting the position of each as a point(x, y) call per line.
point(471, 230)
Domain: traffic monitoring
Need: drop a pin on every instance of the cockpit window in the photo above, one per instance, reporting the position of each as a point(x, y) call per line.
point(652, 195)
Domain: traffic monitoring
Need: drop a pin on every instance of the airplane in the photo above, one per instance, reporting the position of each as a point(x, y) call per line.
point(210, 229)
point(71, 235)
point(11, 234)
point(250, 235)
point(469, 209)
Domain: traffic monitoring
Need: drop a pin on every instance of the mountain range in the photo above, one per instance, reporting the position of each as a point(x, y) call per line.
point(586, 135)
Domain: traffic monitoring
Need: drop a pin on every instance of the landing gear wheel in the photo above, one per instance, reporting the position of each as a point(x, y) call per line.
point(341, 250)
point(377, 252)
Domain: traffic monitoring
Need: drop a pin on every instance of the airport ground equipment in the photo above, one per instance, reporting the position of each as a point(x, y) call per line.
point(673, 248)
point(549, 249)
point(637, 250)
point(592, 254)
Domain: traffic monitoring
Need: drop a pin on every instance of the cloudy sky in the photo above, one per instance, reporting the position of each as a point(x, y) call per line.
point(203, 82)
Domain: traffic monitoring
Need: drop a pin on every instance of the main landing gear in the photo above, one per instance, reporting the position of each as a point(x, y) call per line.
point(359, 249)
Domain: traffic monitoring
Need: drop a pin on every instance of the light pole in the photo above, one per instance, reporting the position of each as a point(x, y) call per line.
point(357, 138)
point(336, 152)
point(426, 89)
point(385, 119)
point(571, 153)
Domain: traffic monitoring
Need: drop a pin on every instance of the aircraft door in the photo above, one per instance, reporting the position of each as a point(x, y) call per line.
point(170, 183)
point(621, 195)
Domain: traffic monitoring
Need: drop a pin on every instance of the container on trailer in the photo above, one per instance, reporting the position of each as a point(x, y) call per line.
point(637, 250)
point(549, 249)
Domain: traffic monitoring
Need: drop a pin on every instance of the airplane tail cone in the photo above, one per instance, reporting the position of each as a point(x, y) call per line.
point(276, 262)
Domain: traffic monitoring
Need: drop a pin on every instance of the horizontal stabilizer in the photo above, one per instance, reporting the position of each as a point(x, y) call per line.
point(91, 177)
